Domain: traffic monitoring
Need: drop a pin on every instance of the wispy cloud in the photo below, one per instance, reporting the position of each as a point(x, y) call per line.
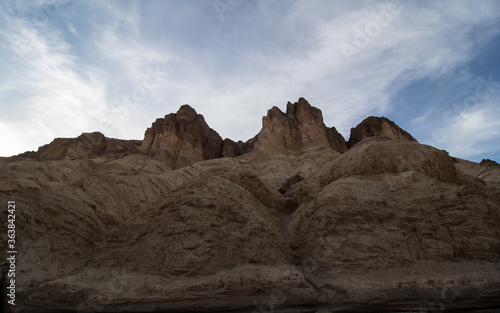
point(52, 96)
point(61, 93)
point(422, 118)
point(473, 128)
point(83, 66)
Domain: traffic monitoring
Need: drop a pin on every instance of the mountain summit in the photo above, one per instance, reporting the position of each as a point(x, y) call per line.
point(295, 219)
point(299, 129)
point(181, 139)
point(184, 138)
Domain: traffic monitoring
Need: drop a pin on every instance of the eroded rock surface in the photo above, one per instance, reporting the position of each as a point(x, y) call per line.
point(185, 138)
point(290, 221)
point(294, 143)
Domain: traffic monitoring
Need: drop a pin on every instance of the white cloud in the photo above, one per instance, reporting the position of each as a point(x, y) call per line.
point(55, 99)
point(234, 72)
point(64, 95)
point(471, 132)
point(422, 118)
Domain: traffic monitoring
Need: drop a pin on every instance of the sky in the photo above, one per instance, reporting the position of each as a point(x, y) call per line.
point(68, 67)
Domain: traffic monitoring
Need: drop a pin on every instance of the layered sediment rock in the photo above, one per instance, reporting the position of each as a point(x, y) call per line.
point(294, 220)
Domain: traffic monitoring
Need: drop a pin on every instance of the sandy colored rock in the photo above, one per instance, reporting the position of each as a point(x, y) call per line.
point(206, 225)
point(374, 156)
point(87, 145)
point(297, 130)
point(293, 143)
point(395, 220)
point(181, 139)
point(289, 221)
point(486, 171)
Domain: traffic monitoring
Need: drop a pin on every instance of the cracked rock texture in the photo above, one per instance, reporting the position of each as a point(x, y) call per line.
point(296, 219)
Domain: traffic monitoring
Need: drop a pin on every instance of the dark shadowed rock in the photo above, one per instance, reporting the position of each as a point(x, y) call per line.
point(377, 126)
point(233, 149)
point(181, 139)
point(185, 138)
point(488, 162)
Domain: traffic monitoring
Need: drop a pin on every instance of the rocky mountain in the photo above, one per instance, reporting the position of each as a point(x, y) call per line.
point(87, 145)
point(184, 138)
point(297, 219)
point(377, 127)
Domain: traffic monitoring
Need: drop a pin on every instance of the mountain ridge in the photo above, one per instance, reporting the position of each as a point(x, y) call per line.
point(294, 220)
point(186, 124)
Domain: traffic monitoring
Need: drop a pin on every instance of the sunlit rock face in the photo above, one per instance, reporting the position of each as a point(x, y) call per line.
point(297, 219)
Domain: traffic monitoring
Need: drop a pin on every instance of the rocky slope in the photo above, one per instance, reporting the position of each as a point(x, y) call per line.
point(293, 145)
point(294, 220)
point(87, 145)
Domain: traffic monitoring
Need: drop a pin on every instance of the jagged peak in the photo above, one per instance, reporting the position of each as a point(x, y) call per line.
point(186, 113)
point(301, 106)
point(301, 127)
point(275, 112)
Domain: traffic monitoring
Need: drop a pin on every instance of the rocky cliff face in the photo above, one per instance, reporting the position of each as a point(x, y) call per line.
point(300, 129)
point(294, 144)
point(294, 220)
point(181, 139)
point(185, 138)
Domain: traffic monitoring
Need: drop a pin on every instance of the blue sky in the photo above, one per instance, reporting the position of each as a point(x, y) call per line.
point(68, 67)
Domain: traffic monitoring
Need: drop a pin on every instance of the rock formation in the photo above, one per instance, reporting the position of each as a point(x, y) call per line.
point(300, 129)
point(377, 126)
point(185, 138)
point(87, 145)
point(293, 220)
point(294, 144)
